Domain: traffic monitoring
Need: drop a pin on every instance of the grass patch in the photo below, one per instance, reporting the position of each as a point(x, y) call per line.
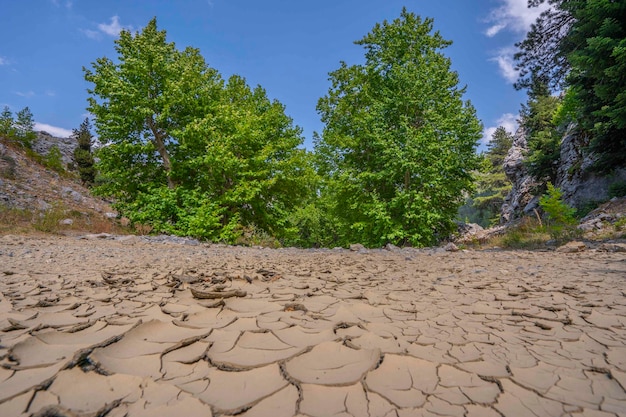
point(529, 234)
point(20, 221)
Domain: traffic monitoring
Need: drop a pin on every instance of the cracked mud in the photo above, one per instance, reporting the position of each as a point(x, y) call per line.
point(128, 328)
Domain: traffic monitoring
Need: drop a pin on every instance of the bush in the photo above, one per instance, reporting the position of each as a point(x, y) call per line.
point(54, 160)
point(561, 217)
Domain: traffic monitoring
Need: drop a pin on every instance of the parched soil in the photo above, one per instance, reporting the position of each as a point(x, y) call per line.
point(122, 326)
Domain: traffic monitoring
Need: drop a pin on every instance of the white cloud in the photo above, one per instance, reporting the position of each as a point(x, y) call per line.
point(26, 94)
point(513, 15)
point(112, 29)
point(92, 34)
point(506, 64)
point(53, 130)
point(3, 61)
point(507, 120)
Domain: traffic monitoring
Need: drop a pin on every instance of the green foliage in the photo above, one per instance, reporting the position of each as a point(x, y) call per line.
point(83, 157)
point(7, 128)
point(188, 153)
point(54, 160)
point(541, 52)
point(617, 189)
point(24, 128)
point(492, 186)
point(19, 130)
point(562, 220)
point(596, 50)
point(544, 138)
point(399, 143)
point(580, 46)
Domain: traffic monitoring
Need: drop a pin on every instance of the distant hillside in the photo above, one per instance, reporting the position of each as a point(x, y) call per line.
point(30, 192)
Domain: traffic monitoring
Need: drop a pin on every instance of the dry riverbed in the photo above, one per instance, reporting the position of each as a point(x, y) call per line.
point(124, 326)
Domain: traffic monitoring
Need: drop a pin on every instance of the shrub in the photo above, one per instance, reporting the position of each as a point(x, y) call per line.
point(54, 160)
point(561, 217)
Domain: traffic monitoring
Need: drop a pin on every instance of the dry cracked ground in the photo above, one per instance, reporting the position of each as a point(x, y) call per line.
point(121, 327)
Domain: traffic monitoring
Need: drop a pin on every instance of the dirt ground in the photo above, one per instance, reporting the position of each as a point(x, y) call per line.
point(125, 327)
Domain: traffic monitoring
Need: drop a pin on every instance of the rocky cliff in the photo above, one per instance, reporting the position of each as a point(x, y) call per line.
point(579, 185)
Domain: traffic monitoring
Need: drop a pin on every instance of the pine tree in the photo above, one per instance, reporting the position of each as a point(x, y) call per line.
point(83, 157)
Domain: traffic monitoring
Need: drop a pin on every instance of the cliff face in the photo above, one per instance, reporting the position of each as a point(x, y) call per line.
point(578, 184)
point(520, 199)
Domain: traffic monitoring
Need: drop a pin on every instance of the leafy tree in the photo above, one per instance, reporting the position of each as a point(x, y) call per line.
point(143, 101)
point(188, 153)
point(398, 144)
point(6, 123)
point(83, 157)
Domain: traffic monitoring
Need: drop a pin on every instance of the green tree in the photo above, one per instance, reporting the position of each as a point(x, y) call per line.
point(7, 123)
point(544, 138)
point(83, 157)
point(24, 126)
point(561, 218)
point(492, 185)
point(596, 50)
point(580, 45)
point(541, 53)
point(398, 145)
point(146, 99)
point(188, 153)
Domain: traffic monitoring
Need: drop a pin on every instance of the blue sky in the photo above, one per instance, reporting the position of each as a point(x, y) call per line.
point(286, 46)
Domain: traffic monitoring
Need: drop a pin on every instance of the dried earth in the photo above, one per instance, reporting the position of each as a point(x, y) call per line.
point(125, 327)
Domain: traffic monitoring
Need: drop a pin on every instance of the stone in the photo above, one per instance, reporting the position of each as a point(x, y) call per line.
point(451, 247)
point(572, 247)
point(356, 247)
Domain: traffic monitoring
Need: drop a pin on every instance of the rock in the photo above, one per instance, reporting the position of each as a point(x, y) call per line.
point(45, 141)
point(572, 247)
point(451, 247)
point(356, 247)
point(612, 247)
point(94, 236)
point(391, 247)
point(110, 215)
point(573, 177)
point(66, 222)
point(578, 184)
point(520, 195)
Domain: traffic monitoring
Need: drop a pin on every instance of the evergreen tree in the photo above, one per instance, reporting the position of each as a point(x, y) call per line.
point(596, 50)
point(83, 157)
point(544, 139)
point(7, 123)
point(24, 127)
point(492, 185)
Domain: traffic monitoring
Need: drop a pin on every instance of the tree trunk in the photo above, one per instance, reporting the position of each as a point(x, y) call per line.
point(159, 143)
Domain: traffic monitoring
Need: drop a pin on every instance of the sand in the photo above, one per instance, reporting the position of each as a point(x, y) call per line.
point(124, 327)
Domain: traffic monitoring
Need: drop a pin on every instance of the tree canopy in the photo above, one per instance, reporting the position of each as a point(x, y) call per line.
point(185, 151)
point(398, 145)
point(579, 46)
